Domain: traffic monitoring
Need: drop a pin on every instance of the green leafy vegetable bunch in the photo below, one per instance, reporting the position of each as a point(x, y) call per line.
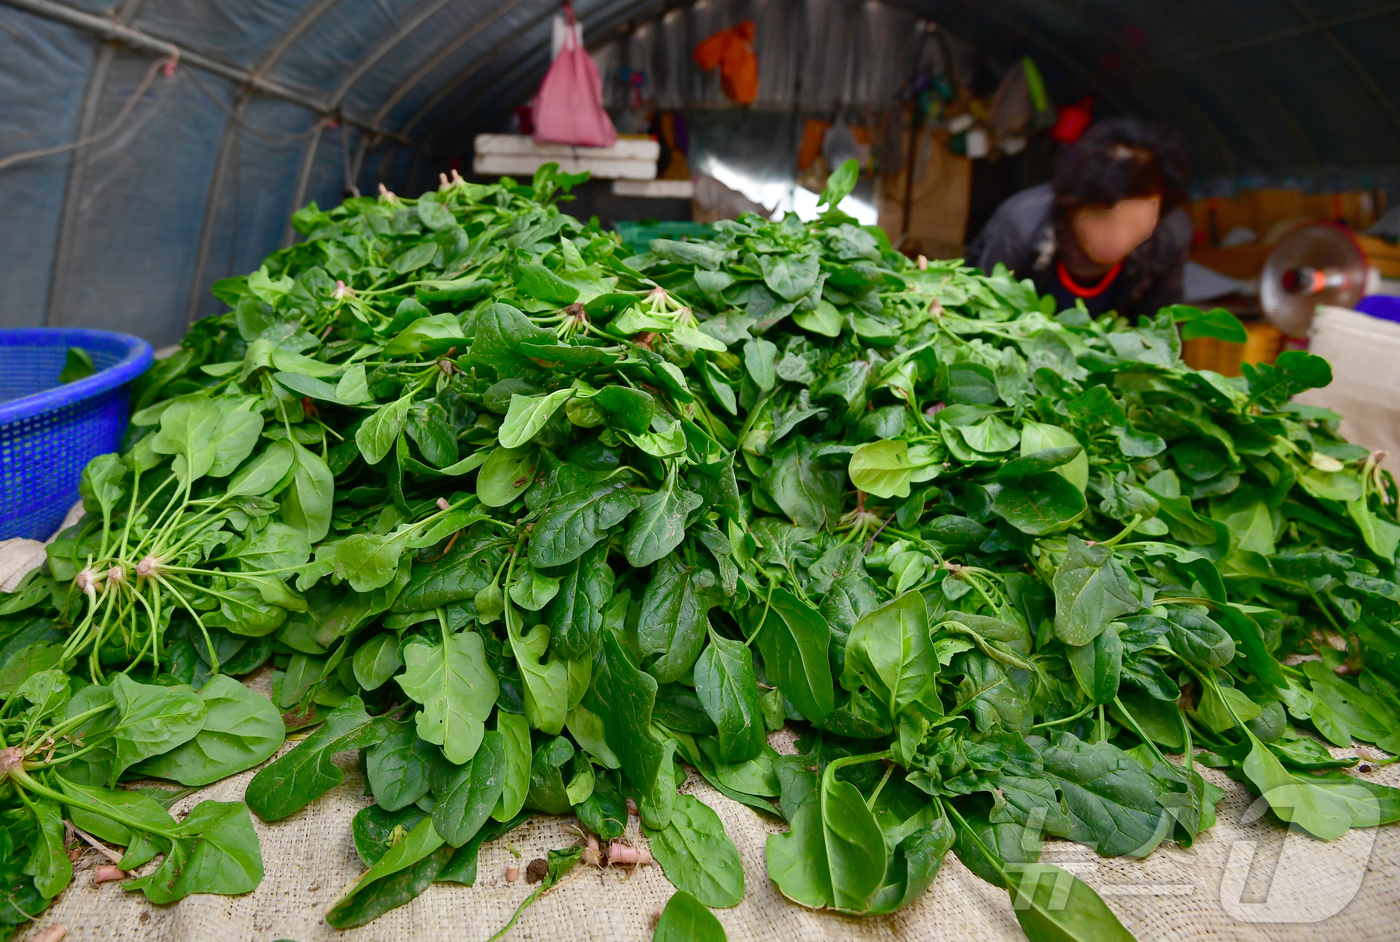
point(534, 525)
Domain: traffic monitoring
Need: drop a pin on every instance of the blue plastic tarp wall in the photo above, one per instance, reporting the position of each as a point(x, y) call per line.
point(277, 102)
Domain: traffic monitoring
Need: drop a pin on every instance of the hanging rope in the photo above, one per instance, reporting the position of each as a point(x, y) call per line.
point(106, 132)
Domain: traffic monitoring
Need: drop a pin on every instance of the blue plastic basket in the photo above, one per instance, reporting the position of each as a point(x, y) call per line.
point(48, 432)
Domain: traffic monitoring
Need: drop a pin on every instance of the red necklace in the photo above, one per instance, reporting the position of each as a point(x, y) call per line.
point(1079, 291)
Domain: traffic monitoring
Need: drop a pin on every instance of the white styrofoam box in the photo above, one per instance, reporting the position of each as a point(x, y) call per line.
point(495, 165)
point(655, 189)
point(626, 148)
point(1363, 351)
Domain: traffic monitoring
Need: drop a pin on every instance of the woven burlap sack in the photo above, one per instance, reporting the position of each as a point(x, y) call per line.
point(17, 557)
point(1245, 879)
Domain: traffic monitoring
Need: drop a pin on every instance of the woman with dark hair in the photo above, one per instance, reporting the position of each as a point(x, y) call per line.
point(1108, 230)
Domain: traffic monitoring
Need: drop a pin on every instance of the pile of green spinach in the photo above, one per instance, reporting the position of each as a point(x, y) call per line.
point(533, 525)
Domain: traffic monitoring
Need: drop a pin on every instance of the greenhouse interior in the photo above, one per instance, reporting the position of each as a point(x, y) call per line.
point(699, 470)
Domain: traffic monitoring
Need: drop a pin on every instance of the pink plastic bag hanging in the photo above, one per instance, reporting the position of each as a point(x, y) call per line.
point(569, 105)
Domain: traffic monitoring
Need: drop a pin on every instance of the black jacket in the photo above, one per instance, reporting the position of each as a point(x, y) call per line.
point(1021, 235)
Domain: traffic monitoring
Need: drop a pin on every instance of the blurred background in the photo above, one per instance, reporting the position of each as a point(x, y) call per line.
point(150, 147)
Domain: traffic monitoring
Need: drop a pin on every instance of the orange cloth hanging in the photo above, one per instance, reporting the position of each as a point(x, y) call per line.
point(732, 51)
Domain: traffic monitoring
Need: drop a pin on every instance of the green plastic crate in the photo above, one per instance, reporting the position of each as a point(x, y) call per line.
point(638, 235)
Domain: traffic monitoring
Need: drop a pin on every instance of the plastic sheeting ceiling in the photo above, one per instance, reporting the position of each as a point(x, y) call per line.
point(278, 102)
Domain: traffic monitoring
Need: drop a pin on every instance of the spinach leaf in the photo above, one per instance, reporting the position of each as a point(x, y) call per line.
point(546, 681)
point(659, 525)
point(376, 661)
point(375, 830)
point(1092, 588)
point(1053, 905)
point(1039, 503)
point(456, 688)
point(153, 719)
point(376, 436)
point(515, 756)
point(1112, 804)
point(548, 789)
point(622, 696)
point(855, 846)
point(671, 625)
point(505, 475)
point(187, 431)
point(808, 492)
point(539, 282)
point(307, 503)
point(685, 919)
point(306, 773)
point(130, 819)
point(834, 855)
point(697, 856)
point(883, 468)
point(1007, 841)
point(533, 590)
point(794, 639)
point(48, 862)
point(575, 615)
point(1098, 665)
point(461, 867)
point(840, 184)
point(398, 766)
point(604, 812)
point(528, 415)
point(213, 850)
point(467, 794)
point(575, 522)
point(725, 686)
point(797, 860)
point(1296, 800)
point(790, 278)
point(1198, 639)
point(241, 729)
point(889, 652)
point(914, 862)
point(409, 868)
